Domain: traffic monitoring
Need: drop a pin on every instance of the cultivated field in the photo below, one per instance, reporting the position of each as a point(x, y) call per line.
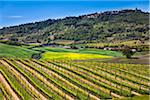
point(69, 80)
point(15, 51)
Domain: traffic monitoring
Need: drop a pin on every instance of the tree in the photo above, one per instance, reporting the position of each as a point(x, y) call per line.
point(128, 52)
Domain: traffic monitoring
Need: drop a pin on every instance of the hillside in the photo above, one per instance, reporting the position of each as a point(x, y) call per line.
point(108, 26)
point(15, 51)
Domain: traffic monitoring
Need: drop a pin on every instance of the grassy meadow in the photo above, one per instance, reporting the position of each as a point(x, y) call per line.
point(15, 51)
point(79, 54)
point(55, 53)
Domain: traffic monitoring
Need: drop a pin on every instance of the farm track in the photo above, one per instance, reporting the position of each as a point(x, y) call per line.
point(75, 79)
point(68, 80)
point(70, 85)
point(37, 81)
point(124, 72)
point(3, 96)
point(37, 94)
point(78, 72)
point(120, 71)
point(130, 78)
point(99, 79)
point(118, 76)
point(143, 75)
point(7, 87)
point(106, 73)
point(46, 82)
point(83, 80)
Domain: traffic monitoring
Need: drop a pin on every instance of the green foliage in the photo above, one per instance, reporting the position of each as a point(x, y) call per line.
point(57, 79)
point(104, 27)
point(128, 52)
point(80, 51)
point(15, 51)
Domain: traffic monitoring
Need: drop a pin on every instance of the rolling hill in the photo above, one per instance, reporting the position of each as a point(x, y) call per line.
point(108, 26)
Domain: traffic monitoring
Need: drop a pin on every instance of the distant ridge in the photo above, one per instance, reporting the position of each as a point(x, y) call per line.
point(127, 24)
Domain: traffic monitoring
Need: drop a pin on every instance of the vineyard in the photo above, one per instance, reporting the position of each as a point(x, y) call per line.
point(27, 79)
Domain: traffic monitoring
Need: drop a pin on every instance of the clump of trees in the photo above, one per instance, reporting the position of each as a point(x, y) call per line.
point(128, 52)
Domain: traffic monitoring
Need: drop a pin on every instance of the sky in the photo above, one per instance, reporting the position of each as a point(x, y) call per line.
point(20, 12)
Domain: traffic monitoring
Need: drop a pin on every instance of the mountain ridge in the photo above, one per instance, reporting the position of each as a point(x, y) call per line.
point(107, 26)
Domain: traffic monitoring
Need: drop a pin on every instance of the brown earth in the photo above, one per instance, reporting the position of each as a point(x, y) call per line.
point(134, 60)
point(144, 59)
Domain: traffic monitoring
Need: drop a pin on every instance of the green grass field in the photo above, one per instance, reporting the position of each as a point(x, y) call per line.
point(15, 51)
point(84, 51)
point(80, 54)
point(55, 53)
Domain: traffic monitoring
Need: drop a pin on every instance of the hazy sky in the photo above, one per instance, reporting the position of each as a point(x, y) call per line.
point(19, 12)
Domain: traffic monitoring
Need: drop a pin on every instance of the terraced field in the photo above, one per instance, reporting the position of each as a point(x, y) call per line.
point(69, 80)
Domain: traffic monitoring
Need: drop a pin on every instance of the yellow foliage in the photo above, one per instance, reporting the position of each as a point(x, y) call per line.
point(72, 56)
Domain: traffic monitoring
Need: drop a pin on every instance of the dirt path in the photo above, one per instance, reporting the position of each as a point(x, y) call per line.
point(43, 79)
point(121, 77)
point(133, 92)
point(61, 78)
point(39, 95)
point(135, 60)
point(84, 80)
point(7, 87)
point(113, 94)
